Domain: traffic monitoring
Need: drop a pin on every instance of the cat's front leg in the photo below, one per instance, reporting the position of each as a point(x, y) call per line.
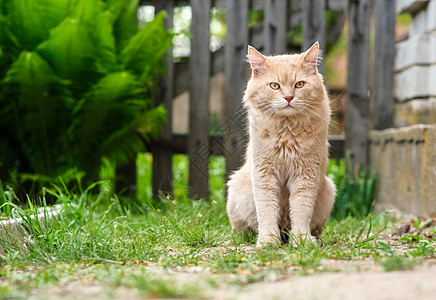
point(266, 197)
point(302, 202)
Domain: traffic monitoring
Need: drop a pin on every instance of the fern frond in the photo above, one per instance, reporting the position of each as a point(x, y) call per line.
point(36, 108)
point(111, 105)
point(123, 19)
point(31, 20)
point(53, 12)
point(9, 45)
point(125, 144)
point(95, 19)
point(4, 6)
point(144, 51)
point(25, 24)
point(71, 53)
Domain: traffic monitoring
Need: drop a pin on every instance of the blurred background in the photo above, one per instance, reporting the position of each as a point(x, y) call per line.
point(146, 95)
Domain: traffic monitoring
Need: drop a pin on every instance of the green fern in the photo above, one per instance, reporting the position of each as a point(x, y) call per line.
point(118, 97)
point(124, 20)
point(72, 55)
point(131, 139)
point(37, 102)
point(76, 80)
point(96, 20)
point(142, 51)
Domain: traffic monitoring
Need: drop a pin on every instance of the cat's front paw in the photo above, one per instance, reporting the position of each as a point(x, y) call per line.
point(301, 239)
point(268, 239)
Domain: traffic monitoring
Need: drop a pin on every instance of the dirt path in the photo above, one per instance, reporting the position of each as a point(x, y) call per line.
point(371, 283)
point(361, 279)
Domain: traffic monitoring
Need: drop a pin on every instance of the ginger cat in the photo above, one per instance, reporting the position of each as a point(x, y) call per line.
point(282, 186)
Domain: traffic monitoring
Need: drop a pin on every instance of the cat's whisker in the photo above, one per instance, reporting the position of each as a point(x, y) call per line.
point(336, 109)
point(266, 112)
point(335, 124)
point(312, 103)
point(241, 114)
point(306, 114)
point(319, 116)
point(337, 98)
point(271, 111)
point(308, 108)
point(306, 105)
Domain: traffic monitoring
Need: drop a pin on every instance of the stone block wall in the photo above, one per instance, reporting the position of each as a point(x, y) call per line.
point(415, 66)
point(405, 157)
point(405, 162)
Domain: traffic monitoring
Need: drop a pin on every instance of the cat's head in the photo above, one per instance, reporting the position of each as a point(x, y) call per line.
point(286, 85)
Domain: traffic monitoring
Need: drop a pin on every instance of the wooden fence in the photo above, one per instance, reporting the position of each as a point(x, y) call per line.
point(270, 39)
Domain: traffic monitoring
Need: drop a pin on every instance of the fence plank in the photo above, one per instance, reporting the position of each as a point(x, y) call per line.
point(384, 50)
point(356, 112)
point(236, 78)
point(198, 142)
point(255, 32)
point(162, 156)
point(314, 26)
point(182, 82)
point(275, 25)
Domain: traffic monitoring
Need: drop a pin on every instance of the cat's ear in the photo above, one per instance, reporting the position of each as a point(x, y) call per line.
point(310, 57)
point(256, 59)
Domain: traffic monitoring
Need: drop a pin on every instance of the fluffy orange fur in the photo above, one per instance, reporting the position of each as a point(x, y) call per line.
point(282, 186)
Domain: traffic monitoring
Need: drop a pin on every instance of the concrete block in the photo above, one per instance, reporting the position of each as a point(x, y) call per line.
point(336, 5)
point(415, 50)
point(419, 23)
point(418, 111)
point(431, 119)
point(432, 79)
point(432, 47)
point(410, 6)
point(431, 16)
point(411, 83)
point(405, 161)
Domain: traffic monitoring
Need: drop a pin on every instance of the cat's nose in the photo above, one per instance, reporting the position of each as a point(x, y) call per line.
point(289, 98)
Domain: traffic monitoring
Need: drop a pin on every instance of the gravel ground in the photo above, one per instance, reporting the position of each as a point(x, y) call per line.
point(359, 279)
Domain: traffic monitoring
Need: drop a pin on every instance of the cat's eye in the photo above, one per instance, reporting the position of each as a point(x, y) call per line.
point(274, 85)
point(299, 84)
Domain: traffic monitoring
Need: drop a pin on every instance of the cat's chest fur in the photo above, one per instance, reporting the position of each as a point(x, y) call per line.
point(284, 141)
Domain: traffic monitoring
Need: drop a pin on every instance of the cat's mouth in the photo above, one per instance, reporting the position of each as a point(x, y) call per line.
point(286, 104)
point(286, 110)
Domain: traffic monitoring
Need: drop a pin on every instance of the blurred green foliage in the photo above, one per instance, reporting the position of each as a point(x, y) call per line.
point(76, 84)
point(355, 194)
point(354, 197)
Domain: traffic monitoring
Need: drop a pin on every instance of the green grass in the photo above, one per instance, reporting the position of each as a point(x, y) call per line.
point(397, 263)
point(143, 245)
point(217, 168)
